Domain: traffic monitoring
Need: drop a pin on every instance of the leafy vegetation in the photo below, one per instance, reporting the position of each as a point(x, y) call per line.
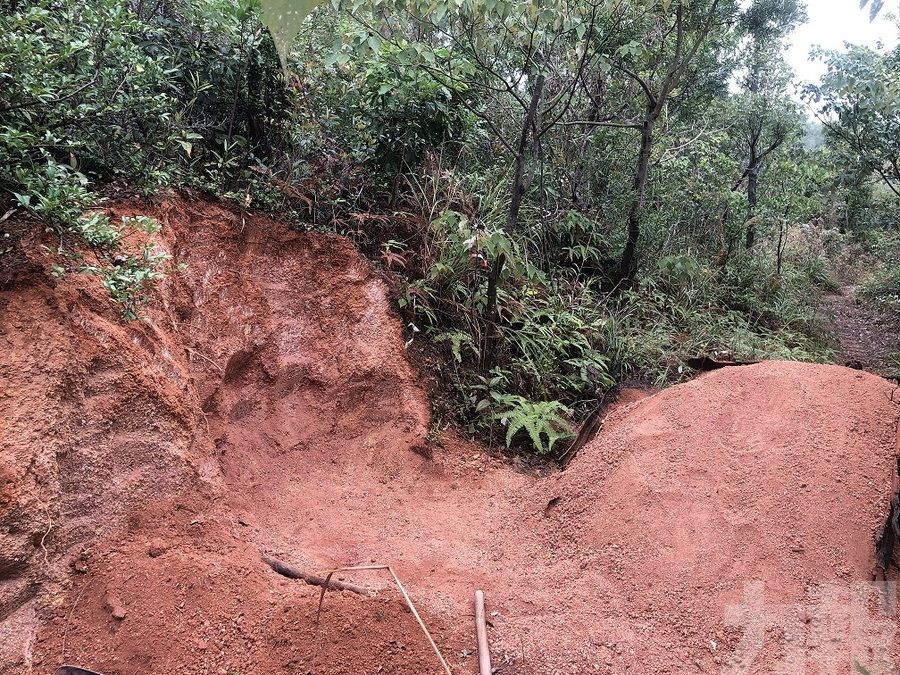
point(571, 194)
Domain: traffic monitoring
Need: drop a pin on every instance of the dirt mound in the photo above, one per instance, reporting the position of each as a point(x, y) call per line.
point(265, 403)
point(745, 501)
point(262, 344)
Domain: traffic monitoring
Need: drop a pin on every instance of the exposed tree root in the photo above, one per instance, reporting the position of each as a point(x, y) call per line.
point(589, 428)
point(292, 572)
point(890, 532)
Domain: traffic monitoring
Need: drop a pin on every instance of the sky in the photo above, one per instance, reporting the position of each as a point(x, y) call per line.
point(833, 22)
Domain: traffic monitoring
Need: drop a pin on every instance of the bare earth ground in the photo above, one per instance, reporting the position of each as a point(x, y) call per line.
point(265, 403)
point(866, 338)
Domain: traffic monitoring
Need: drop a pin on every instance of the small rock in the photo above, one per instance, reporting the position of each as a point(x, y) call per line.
point(114, 604)
point(157, 547)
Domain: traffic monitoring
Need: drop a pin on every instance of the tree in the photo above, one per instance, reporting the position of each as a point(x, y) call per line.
point(520, 66)
point(658, 66)
point(859, 105)
point(768, 116)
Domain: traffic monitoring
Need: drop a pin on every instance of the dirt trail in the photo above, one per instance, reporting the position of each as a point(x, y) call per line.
point(266, 403)
point(866, 338)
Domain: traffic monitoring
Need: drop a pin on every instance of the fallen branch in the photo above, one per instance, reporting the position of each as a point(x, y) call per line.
point(406, 597)
point(707, 363)
point(484, 650)
point(291, 572)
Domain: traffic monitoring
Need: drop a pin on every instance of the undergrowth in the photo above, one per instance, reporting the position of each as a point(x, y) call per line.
point(883, 288)
point(567, 337)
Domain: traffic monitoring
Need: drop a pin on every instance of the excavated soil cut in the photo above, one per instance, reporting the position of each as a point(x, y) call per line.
point(265, 403)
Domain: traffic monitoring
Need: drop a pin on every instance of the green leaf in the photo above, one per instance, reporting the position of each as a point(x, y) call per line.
point(538, 418)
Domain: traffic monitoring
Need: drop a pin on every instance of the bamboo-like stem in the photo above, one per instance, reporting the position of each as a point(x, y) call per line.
point(484, 649)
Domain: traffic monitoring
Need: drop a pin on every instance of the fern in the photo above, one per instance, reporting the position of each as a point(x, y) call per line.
point(540, 419)
point(458, 339)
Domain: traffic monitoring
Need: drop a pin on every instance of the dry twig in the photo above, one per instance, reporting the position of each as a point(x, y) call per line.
point(291, 572)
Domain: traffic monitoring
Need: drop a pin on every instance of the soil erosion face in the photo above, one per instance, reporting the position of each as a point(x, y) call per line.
point(265, 403)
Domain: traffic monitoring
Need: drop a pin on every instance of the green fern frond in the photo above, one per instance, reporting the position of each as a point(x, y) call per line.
point(539, 419)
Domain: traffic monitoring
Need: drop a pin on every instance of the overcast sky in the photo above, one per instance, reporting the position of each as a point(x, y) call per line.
point(833, 22)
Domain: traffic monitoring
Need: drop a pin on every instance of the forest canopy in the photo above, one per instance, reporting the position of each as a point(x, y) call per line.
point(567, 194)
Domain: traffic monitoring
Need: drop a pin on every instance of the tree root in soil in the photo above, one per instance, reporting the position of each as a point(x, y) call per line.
point(291, 572)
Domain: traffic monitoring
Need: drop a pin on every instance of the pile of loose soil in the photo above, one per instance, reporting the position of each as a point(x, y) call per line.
point(265, 403)
point(756, 489)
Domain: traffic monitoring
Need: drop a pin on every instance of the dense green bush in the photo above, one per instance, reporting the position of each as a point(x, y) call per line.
point(103, 91)
point(82, 88)
point(405, 112)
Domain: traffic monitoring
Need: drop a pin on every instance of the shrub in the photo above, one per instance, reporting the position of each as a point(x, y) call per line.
point(883, 288)
point(104, 90)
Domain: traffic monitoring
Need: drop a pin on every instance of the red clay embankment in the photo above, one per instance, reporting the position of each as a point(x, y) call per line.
point(265, 402)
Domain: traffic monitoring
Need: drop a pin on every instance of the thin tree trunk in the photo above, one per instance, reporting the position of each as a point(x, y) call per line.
point(755, 165)
point(628, 263)
point(752, 200)
point(518, 188)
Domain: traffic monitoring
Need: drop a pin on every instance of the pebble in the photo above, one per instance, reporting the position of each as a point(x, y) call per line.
point(157, 547)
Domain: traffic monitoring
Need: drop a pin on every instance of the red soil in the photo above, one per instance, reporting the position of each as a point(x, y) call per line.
point(265, 403)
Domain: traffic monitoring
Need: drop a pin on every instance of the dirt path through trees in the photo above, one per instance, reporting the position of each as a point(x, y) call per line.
point(865, 337)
